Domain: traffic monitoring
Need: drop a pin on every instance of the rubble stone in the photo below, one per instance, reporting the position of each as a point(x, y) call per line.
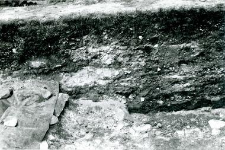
point(5, 93)
point(60, 104)
point(54, 120)
point(10, 121)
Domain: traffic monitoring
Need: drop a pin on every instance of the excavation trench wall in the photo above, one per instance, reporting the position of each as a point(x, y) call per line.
point(167, 60)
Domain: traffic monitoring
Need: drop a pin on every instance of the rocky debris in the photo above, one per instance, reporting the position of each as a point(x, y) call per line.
point(166, 77)
point(28, 112)
point(178, 76)
point(88, 76)
point(86, 130)
point(107, 59)
point(95, 56)
point(81, 127)
point(5, 93)
point(150, 53)
point(185, 130)
point(10, 121)
point(80, 54)
point(60, 104)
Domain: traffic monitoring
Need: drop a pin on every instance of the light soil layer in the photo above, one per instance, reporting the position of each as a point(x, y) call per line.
point(51, 12)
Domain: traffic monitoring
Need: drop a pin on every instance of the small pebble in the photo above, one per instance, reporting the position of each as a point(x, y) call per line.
point(44, 145)
point(158, 69)
point(140, 37)
point(54, 120)
point(216, 124)
point(215, 131)
point(188, 127)
point(156, 45)
point(143, 128)
point(5, 93)
point(10, 121)
point(51, 137)
point(180, 133)
point(14, 50)
point(37, 64)
point(47, 94)
point(159, 125)
point(160, 102)
point(142, 99)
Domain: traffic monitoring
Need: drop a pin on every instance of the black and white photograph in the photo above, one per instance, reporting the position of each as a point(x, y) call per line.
point(112, 74)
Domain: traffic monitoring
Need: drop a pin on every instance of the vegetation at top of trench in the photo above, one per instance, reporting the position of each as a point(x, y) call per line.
point(34, 38)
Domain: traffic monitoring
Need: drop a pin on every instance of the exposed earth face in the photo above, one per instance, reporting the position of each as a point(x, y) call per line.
point(135, 80)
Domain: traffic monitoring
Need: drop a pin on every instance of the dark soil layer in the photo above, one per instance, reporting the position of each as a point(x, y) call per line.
point(191, 44)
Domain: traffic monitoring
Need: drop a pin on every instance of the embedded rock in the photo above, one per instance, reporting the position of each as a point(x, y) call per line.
point(216, 124)
point(5, 93)
point(10, 121)
point(60, 104)
point(88, 76)
point(47, 94)
point(36, 64)
point(54, 120)
point(44, 145)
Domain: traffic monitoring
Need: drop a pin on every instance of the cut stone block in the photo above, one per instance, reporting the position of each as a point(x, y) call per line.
point(32, 103)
